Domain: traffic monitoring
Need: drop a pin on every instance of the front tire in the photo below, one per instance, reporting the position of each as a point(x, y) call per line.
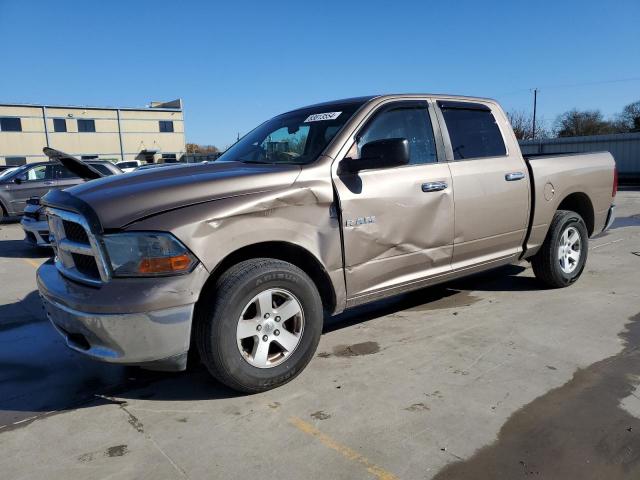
point(563, 255)
point(261, 325)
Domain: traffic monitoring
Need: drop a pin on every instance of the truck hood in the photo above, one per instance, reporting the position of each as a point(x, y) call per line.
point(122, 199)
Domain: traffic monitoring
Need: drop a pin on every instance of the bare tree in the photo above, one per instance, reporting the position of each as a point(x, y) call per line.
point(206, 149)
point(522, 123)
point(629, 119)
point(576, 123)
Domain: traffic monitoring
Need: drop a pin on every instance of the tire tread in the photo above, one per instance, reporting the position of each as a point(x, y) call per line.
point(543, 262)
point(205, 324)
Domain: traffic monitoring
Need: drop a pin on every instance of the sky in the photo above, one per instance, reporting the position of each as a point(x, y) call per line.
point(237, 63)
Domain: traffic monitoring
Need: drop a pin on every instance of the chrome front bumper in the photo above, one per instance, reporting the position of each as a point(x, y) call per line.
point(36, 232)
point(125, 324)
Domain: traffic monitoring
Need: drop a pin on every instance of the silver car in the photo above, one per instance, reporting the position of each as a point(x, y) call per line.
point(35, 179)
point(35, 225)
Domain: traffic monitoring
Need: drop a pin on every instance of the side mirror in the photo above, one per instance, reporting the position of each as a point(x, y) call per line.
point(17, 180)
point(391, 152)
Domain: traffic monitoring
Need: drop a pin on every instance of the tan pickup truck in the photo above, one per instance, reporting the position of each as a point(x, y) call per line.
point(313, 212)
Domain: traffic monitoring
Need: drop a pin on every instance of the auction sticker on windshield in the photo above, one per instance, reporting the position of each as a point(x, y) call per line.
point(318, 117)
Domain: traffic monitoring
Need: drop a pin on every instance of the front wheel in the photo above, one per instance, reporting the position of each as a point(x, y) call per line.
point(563, 254)
point(261, 326)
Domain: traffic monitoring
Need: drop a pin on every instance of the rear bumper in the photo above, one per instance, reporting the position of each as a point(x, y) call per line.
point(611, 216)
point(145, 322)
point(36, 232)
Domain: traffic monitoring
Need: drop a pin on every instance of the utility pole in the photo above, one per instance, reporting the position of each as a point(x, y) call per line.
point(535, 105)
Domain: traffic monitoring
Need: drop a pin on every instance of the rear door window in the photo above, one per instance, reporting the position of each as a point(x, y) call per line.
point(103, 169)
point(473, 130)
point(63, 173)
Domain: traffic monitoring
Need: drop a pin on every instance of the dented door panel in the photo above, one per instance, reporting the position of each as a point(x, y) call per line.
point(393, 231)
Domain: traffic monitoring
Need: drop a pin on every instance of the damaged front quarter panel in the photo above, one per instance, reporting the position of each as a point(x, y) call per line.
point(302, 214)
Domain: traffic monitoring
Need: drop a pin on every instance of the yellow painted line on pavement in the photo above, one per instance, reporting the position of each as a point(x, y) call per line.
point(32, 262)
point(343, 450)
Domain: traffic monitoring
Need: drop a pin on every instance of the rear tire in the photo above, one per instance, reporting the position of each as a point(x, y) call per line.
point(563, 255)
point(256, 308)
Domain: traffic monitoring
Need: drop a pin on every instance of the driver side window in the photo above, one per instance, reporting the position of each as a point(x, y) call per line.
point(412, 123)
point(39, 173)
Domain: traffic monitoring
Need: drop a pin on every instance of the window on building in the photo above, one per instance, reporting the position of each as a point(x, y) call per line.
point(89, 157)
point(59, 125)
point(15, 161)
point(9, 124)
point(86, 125)
point(404, 121)
point(169, 158)
point(166, 126)
point(473, 131)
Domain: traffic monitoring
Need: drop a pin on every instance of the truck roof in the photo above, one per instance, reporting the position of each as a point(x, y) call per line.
point(367, 98)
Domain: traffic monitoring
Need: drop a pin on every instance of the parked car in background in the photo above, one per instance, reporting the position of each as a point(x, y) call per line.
point(129, 165)
point(34, 223)
point(34, 220)
point(317, 210)
point(36, 179)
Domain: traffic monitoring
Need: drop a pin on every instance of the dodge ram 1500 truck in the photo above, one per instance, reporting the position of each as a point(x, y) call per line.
point(316, 210)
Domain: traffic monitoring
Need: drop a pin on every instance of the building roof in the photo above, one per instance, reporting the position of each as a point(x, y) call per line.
point(173, 106)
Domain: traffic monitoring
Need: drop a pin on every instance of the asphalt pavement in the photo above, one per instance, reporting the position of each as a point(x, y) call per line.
point(486, 377)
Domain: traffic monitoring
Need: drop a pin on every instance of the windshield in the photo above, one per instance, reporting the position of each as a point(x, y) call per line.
point(13, 172)
point(7, 172)
point(296, 137)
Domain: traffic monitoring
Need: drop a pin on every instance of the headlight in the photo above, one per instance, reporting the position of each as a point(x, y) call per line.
point(147, 254)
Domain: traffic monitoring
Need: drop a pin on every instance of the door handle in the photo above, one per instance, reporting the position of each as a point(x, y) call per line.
point(513, 176)
point(48, 183)
point(434, 186)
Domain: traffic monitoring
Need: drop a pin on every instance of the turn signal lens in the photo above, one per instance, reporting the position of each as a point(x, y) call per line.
point(177, 264)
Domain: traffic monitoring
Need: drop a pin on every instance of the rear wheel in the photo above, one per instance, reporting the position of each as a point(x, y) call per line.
point(563, 254)
point(261, 326)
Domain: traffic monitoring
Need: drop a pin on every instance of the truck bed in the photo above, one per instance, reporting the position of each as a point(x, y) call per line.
point(562, 179)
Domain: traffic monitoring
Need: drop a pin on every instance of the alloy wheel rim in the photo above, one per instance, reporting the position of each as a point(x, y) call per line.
point(270, 328)
point(569, 250)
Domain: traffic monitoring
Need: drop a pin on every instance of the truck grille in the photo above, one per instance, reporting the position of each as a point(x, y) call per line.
point(78, 253)
point(75, 232)
point(86, 265)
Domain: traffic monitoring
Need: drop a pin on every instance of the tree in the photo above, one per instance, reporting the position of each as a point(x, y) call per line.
point(522, 123)
point(576, 123)
point(206, 149)
point(629, 119)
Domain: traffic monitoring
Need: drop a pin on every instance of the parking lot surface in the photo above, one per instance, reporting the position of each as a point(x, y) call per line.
point(488, 377)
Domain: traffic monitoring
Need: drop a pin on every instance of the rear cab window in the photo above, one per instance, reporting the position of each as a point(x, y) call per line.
point(473, 130)
point(102, 168)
